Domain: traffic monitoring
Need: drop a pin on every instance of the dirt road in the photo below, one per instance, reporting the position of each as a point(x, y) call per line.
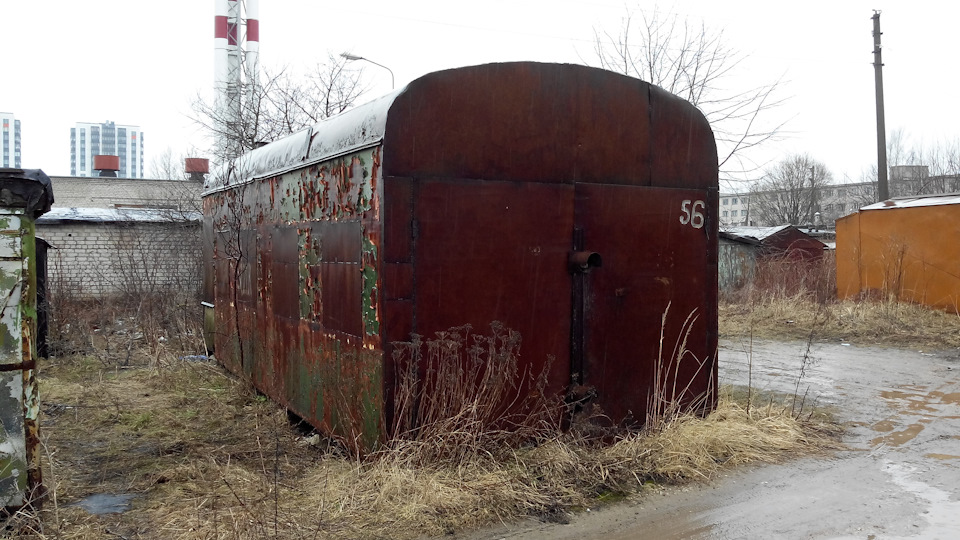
point(899, 476)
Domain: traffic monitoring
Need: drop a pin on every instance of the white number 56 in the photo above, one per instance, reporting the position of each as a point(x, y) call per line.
point(691, 213)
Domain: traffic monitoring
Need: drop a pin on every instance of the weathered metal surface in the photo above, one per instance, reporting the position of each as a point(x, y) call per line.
point(497, 251)
point(909, 249)
point(455, 201)
point(359, 128)
point(651, 298)
point(25, 195)
point(737, 263)
point(294, 278)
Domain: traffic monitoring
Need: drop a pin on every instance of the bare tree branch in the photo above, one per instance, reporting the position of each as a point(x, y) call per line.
point(282, 103)
point(693, 62)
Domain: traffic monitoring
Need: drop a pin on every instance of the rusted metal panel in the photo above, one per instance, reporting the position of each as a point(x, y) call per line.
point(577, 135)
point(685, 154)
point(649, 298)
point(485, 252)
point(457, 200)
point(294, 299)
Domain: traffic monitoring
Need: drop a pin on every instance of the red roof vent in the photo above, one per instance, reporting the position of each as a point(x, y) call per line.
point(107, 165)
point(197, 167)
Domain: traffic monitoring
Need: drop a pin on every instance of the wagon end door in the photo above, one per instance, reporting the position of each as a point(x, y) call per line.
point(648, 329)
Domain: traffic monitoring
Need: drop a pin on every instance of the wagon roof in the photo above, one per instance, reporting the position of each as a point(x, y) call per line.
point(515, 121)
point(352, 130)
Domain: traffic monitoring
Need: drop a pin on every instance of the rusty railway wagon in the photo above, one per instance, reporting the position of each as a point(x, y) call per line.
point(574, 205)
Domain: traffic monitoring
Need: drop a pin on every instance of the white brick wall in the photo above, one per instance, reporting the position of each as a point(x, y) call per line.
point(95, 259)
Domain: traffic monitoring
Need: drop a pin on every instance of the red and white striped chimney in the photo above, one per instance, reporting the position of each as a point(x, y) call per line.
point(220, 33)
point(252, 44)
point(236, 57)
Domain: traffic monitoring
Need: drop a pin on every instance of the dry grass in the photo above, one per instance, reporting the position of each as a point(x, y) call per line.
point(207, 458)
point(889, 323)
point(794, 300)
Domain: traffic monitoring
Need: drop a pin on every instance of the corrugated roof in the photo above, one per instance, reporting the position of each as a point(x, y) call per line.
point(118, 215)
point(915, 202)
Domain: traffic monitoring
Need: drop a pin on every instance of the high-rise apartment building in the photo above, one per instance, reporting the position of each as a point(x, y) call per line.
point(10, 144)
point(107, 139)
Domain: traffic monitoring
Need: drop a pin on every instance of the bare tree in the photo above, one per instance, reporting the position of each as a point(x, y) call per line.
point(789, 192)
point(279, 104)
point(693, 62)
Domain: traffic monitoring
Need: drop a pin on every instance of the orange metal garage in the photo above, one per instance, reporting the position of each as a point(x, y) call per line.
point(908, 248)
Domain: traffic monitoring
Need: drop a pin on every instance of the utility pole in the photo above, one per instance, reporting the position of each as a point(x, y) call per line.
point(882, 190)
point(813, 196)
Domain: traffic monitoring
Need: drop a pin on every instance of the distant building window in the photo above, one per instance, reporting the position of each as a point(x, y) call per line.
point(734, 201)
point(745, 200)
point(841, 193)
point(726, 202)
point(743, 212)
point(726, 213)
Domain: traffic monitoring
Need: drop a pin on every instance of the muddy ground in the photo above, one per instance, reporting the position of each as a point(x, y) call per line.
point(898, 475)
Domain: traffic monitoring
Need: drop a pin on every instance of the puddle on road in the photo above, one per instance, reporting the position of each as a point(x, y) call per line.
point(883, 426)
point(942, 514)
point(941, 456)
point(672, 530)
point(952, 398)
point(915, 401)
point(899, 437)
point(106, 503)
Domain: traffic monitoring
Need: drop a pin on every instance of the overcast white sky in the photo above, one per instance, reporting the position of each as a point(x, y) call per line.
point(142, 63)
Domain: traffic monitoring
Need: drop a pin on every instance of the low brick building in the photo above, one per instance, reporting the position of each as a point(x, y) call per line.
point(120, 236)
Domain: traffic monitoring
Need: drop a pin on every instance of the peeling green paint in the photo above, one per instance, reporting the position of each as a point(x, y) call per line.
point(309, 255)
point(371, 321)
point(19, 400)
point(326, 367)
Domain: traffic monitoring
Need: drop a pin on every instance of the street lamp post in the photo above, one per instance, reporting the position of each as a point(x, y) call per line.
point(351, 57)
